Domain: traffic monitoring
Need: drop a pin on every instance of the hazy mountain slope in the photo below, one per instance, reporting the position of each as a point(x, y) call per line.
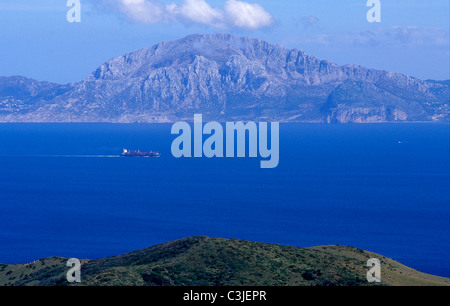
point(20, 95)
point(227, 77)
point(222, 262)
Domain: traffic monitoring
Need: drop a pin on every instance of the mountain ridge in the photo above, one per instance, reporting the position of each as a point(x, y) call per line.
point(206, 261)
point(225, 77)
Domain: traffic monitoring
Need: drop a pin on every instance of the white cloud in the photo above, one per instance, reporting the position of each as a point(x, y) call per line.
point(235, 13)
point(309, 21)
point(404, 36)
point(141, 11)
point(394, 36)
point(196, 11)
point(247, 15)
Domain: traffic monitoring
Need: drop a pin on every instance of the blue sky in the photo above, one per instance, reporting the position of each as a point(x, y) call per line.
point(37, 41)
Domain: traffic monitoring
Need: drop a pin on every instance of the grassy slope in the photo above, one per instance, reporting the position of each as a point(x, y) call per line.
point(221, 262)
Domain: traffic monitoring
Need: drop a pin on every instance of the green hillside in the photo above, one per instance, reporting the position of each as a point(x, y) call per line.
point(203, 261)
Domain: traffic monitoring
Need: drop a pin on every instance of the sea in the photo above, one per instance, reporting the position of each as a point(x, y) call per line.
point(64, 191)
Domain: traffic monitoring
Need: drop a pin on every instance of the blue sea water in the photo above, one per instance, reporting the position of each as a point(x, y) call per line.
point(384, 188)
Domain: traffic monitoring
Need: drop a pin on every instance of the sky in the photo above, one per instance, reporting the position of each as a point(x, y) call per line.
point(37, 41)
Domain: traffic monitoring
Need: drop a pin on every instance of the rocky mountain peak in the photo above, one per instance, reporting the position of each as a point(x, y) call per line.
point(226, 77)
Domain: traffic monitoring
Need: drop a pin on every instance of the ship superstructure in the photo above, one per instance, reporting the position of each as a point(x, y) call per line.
point(138, 153)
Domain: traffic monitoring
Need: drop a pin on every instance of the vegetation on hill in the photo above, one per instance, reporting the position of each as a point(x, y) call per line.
point(204, 261)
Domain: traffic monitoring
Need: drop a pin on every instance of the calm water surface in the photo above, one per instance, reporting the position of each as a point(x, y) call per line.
point(384, 188)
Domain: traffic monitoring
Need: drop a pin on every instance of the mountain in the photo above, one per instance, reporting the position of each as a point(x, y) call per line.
point(226, 78)
point(203, 261)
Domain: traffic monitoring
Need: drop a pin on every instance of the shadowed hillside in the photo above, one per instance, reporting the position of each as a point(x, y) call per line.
point(203, 261)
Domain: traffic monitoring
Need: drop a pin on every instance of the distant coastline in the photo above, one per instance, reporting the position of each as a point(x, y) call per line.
point(226, 78)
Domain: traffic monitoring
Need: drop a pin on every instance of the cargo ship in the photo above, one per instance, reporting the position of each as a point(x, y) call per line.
point(129, 153)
